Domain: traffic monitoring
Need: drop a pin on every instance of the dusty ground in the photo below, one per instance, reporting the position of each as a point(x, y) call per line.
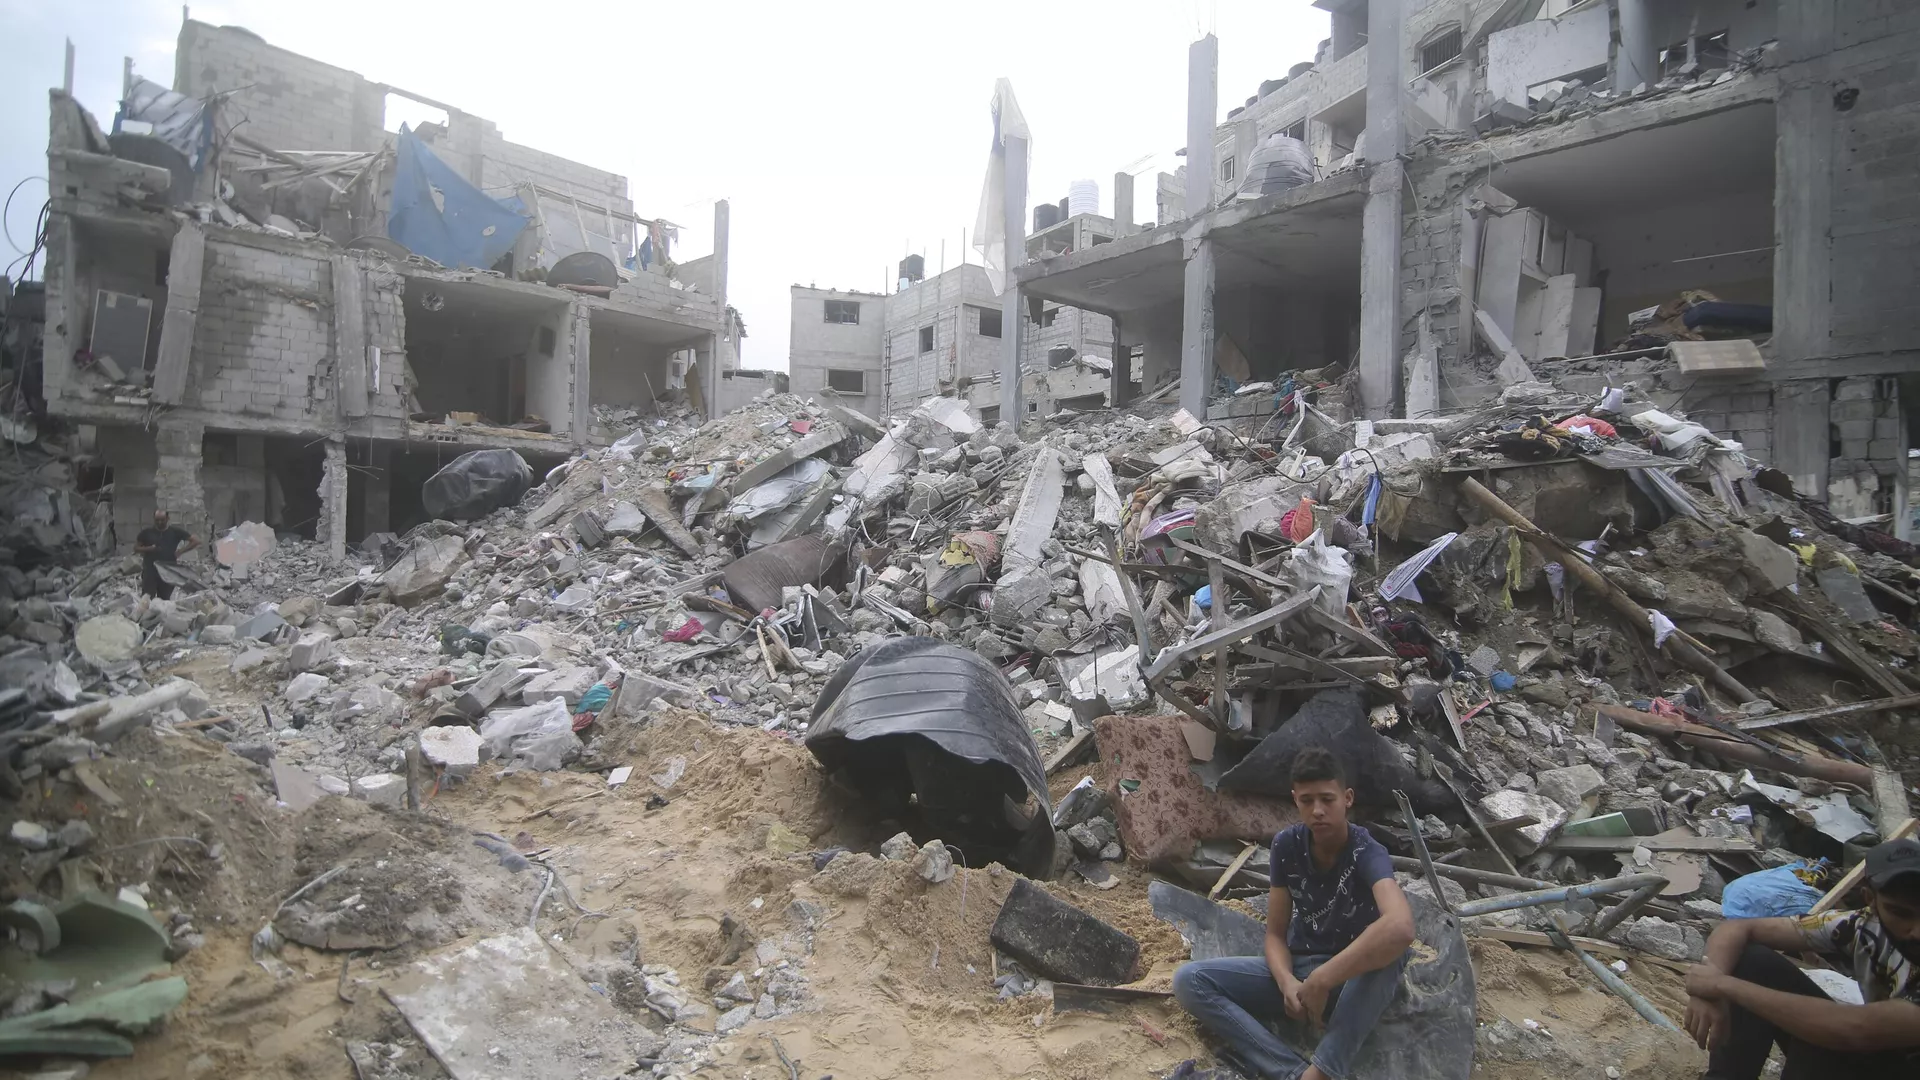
point(898, 972)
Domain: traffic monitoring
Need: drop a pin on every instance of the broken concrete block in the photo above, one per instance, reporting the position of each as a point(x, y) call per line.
point(1033, 517)
point(31, 835)
point(298, 609)
point(933, 862)
point(382, 789)
point(452, 748)
point(637, 691)
point(1843, 587)
point(1542, 817)
point(1059, 941)
point(306, 685)
point(243, 545)
point(899, 847)
point(491, 687)
point(1221, 521)
point(1775, 632)
point(107, 639)
point(1663, 938)
point(1769, 567)
point(266, 626)
point(309, 652)
point(1112, 676)
point(567, 684)
point(1100, 590)
point(1571, 787)
point(217, 634)
point(424, 570)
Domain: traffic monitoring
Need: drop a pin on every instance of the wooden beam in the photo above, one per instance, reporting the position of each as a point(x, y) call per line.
point(1716, 845)
point(1829, 712)
point(1592, 945)
point(1206, 644)
point(1233, 868)
point(1848, 883)
point(1716, 742)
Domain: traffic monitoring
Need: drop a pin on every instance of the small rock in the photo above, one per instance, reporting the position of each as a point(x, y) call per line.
point(31, 835)
point(733, 1020)
point(765, 1008)
point(217, 634)
point(306, 685)
point(933, 862)
point(899, 847)
point(74, 835)
point(298, 609)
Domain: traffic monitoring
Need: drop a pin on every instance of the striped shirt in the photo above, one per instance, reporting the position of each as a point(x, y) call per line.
point(1882, 969)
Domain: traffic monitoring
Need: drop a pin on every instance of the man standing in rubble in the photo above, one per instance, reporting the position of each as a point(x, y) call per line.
point(1338, 930)
point(160, 544)
point(1747, 997)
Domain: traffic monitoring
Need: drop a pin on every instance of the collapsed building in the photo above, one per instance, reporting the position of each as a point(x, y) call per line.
point(240, 328)
point(1539, 183)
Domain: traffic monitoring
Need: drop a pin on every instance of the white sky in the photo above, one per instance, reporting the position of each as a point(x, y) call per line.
point(844, 134)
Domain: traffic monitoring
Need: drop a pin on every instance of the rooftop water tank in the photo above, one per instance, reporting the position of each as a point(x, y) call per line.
point(1083, 197)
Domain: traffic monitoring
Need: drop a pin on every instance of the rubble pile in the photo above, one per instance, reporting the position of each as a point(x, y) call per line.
point(1559, 642)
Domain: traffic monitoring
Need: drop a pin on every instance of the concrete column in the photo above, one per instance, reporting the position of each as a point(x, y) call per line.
point(1013, 321)
point(1122, 204)
point(1160, 331)
point(332, 529)
point(1802, 219)
point(1639, 58)
point(722, 223)
point(1380, 221)
point(1119, 386)
point(178, 450)
point(1196, 320)
point(376, 485)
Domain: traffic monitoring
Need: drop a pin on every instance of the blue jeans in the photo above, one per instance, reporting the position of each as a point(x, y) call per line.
point(1234, 996)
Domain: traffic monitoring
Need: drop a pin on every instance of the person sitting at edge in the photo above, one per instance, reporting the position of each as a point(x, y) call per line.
point(1338, 931)
point(1747, 997)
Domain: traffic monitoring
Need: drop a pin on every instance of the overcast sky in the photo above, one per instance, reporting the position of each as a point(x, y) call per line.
point(844, 134)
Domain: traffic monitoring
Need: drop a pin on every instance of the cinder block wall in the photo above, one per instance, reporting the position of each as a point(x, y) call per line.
point(263, 341)
point(287, 101)
point(815, 346)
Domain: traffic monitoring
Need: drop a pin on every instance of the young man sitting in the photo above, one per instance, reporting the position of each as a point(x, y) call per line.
point(1747, 996)
point(1338, 928)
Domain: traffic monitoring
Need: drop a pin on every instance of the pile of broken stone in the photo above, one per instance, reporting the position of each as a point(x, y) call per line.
point(1315, 578)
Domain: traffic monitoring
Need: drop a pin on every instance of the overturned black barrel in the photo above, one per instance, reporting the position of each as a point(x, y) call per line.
point(915, 723)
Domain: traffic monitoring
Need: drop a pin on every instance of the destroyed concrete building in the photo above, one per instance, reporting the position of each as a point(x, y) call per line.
point(1528, 183)
point(248, 341)
point(943, 336)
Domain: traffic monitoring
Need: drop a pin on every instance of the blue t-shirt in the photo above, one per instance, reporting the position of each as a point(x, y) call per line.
point(1330, 907)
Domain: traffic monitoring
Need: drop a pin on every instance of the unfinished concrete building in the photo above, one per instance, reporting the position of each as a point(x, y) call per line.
point(942, 336)
point(1503, 181)
point(249, 339)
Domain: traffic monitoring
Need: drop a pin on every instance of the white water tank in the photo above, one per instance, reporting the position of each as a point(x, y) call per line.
point(1083, 197)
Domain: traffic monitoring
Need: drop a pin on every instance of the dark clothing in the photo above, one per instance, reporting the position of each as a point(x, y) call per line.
point(1236, 998)
point(1330, 907)
point(1751, 1038)
point(166, 547)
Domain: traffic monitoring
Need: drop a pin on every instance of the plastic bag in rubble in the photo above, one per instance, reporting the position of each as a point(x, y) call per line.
point(1279, 163)
point(1316, 562)
point(628, 446)
point(536, 737)
point(1779, 893)
point(476, 484)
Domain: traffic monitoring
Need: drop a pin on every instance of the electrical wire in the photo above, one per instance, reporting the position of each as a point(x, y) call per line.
point(6, 211)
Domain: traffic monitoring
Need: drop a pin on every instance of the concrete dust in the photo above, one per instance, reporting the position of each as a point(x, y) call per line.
point(1582, 1022)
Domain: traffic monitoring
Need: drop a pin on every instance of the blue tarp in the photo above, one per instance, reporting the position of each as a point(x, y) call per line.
point(176, 119)
point(463, 227)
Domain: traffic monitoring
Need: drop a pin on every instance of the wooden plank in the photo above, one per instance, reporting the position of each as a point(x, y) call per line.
point(185, 265)
point(1842, 643)
point(1233, 868)
point(1707, 844)
point(1852, 879)
point(1889, 799)
point(1830, 712)
point(1358, 635)
point(1070, 752)
point(1231, 564)
point(1206, 644)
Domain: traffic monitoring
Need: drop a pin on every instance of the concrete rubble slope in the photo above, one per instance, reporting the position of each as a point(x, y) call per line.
point(438, 668)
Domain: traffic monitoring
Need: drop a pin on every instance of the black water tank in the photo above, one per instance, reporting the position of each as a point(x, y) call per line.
point(914, 268)
point(1046, 216)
